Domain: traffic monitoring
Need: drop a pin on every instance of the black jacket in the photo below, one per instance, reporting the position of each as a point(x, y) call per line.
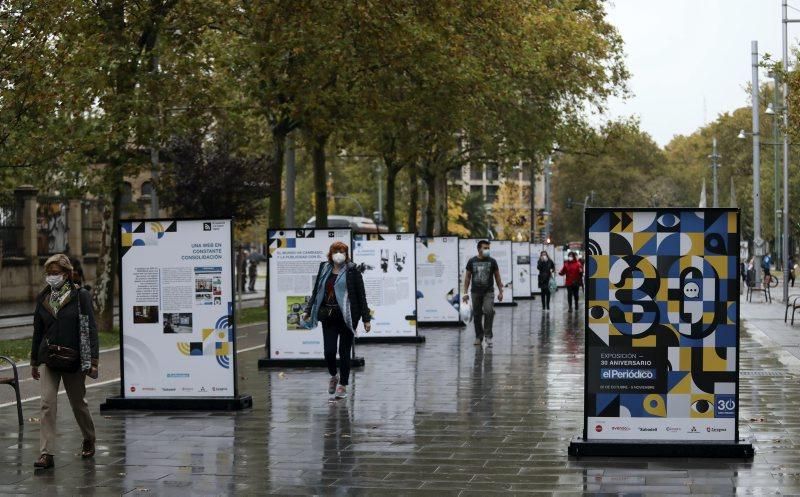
point(62, 329)
point(546, 269)
point(355, 290)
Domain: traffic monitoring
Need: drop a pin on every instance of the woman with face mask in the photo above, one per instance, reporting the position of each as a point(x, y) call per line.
point(62, 352)
point(547, 270)
point(573, 272)
point(338, 302)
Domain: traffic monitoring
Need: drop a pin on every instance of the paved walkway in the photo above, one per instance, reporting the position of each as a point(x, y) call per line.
point(441, 418)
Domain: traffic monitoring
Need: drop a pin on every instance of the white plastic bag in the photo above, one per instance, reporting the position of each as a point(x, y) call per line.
point(465, 311)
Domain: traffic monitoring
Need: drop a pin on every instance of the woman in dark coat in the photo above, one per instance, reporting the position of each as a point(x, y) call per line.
point(59, 353)
point(547, 270)
point(338, 302)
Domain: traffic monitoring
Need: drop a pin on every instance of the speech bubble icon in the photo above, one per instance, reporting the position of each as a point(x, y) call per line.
point(691, 290)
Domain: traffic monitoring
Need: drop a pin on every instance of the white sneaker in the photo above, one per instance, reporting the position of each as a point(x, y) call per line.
point(332, 384)
point(341, 392)
point(478, 341)
point(488, 341)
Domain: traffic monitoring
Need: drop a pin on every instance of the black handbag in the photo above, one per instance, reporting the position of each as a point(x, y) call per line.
point(60, 358)
point(327, 312)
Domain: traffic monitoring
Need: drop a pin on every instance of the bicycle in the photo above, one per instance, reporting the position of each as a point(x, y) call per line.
point(771, 281)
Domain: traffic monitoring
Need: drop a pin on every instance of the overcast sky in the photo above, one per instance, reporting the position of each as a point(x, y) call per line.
point(682, 53)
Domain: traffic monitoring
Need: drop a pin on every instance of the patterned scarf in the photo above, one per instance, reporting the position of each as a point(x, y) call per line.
point(59, 296)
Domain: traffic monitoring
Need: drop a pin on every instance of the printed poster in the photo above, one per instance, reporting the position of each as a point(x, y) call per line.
point(388, 265)
point(177, 308)
point(293, 261)
point(662, 329)
point(438, 294)
point(521, 264)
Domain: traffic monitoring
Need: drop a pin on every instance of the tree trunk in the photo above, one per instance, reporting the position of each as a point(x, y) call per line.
point(440, 204)
point(391, 185)
point(430, 199)
point(413, 199)
point(105, 282)
point(320, 189)
point(276, 177)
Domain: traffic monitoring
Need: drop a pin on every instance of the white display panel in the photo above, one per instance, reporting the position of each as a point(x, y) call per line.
point(177, 295)
point(561, 280)
point(500, 252)
point(521, 265)
point(438, 290)
point(387, 264)
point(293, 263)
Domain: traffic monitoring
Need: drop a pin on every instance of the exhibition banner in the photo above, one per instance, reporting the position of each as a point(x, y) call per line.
point(558, 259)
point(500, 252)
point(388, 265)
point(437, 279)
point(293, 262)
point(176, 308)
point(521, 264)
point(662, 324)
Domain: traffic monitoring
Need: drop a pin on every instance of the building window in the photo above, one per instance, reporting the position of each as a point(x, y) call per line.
point(491, 193)
point(476, 190)
point(147, 189)
point(476, 172)
point(492, 172)
point(127, 194)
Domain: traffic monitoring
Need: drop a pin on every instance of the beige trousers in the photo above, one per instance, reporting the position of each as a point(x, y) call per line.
point(75, 385)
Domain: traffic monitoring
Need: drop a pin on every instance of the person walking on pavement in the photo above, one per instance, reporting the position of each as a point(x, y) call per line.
point(547, 270)
point(482, 273)
point(64, 348)
point(338, 301)
point(573, 272)
point(792, 271)
point(252, 267)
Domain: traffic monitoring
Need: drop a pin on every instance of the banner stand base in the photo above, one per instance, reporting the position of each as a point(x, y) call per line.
point(441, 324)
point(505, 304)
point(579, 447)
point(237, 403)
point(525, 298)
point(266, 362)
point(376, 339)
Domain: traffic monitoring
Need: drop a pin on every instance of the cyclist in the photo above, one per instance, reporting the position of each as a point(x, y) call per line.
point(766, 262)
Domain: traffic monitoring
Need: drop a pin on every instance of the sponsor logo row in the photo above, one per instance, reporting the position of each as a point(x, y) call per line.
point(599, 428)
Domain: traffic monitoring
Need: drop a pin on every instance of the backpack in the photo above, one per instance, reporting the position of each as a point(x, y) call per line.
point(765, 262)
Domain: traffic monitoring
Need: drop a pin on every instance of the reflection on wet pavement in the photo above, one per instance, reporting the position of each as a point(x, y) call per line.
point(440, 418)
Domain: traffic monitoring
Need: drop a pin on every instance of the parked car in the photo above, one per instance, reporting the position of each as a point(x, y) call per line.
point(358, 224)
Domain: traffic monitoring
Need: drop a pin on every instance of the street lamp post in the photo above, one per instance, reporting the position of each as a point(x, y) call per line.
point(715, 157)
point(547, 204)
point(776, 196)
point(785, 244)
point(758, 242)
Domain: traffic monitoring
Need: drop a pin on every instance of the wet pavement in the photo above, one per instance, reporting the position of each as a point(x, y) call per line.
point(440, 418)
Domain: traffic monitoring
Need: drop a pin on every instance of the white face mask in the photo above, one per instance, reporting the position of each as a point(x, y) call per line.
point(486, 252)
point(54, 280)
point(339, 258)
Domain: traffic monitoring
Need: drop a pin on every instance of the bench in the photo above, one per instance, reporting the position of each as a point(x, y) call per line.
point(13, 382)
point(753, 288)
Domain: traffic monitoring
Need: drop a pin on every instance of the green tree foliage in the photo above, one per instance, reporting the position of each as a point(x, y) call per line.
point(622, 165)
point(204, 177)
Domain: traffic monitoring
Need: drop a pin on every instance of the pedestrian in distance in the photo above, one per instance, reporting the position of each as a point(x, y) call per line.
point(482, 273)
point(64, 348)
point(547, 271)
point(573, 273)
point(792, 270)
point(338, 302)
point(253, 261)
